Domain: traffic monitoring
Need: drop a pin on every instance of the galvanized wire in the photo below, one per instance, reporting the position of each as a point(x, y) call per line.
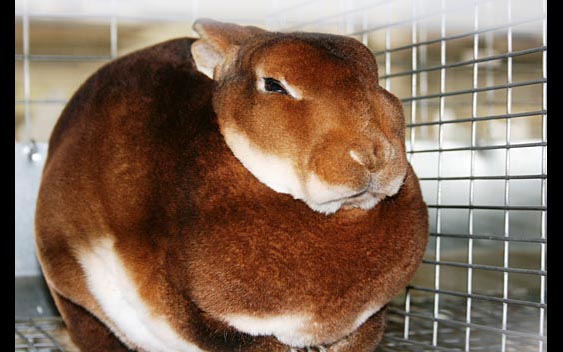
point(26, 78)
point(438, 331)
point(38, 334)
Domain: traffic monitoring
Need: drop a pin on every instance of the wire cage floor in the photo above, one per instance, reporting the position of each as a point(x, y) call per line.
point(48, 334)
point(42, 335)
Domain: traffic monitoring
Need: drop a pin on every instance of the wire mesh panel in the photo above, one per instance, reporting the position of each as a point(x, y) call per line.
point(472, 77)
point(41, 335)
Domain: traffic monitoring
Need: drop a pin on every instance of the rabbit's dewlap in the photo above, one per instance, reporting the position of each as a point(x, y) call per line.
point(270, 207)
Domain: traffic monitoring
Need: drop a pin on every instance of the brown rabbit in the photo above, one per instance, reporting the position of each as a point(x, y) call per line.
point(269, 208)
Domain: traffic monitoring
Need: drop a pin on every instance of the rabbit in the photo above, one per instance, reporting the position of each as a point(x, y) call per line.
point(247, 190)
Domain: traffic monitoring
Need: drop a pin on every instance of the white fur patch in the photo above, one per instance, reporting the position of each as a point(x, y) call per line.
point(117, 295)
point(394, 186)
point(326, 208)
point(288, 329)
point(321, 192)
point(356, 157)
point(366, 315)
point(364, 201)
point(324, 197)
point(277, 173)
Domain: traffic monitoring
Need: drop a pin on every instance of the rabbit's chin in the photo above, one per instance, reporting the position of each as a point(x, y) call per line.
point(366, 199)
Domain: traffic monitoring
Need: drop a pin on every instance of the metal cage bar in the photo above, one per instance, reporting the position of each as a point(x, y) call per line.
point(26, 78)
point(439, 166)
point(542, 308)
point(471, 172)
point(37, 335)
point(506, 249)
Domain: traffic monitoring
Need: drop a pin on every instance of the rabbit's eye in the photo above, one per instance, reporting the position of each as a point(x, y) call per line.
point(274, 86)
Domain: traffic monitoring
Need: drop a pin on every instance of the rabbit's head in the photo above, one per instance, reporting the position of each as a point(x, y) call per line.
point(304, 113)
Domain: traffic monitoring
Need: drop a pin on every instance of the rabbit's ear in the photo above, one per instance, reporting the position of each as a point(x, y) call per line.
point(219, 42)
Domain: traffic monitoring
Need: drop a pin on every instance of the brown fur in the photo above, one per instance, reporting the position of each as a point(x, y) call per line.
point(138, 156)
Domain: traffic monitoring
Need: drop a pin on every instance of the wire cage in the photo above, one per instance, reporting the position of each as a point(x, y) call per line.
point(472, 77)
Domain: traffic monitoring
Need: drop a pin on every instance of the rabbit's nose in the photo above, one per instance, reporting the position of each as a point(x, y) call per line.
point(367, 157)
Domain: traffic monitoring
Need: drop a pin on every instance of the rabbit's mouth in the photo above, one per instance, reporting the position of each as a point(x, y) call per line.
point(374, 193)
point(369, 196)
